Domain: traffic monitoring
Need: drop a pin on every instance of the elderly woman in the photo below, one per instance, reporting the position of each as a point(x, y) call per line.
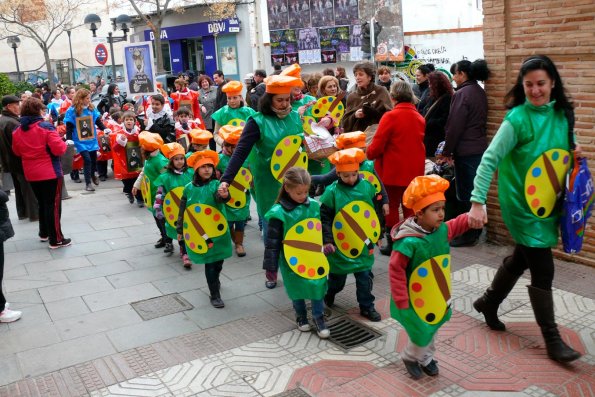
point(398, 148)
point(368, 102)
point(207, 96)
point(40, 147)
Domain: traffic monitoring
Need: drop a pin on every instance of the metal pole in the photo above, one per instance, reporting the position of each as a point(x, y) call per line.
point(71, 58)
point(16, 59)
point(111, 48)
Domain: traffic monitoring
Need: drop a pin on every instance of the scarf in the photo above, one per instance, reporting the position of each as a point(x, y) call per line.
point(282, 113)
point(153, 116)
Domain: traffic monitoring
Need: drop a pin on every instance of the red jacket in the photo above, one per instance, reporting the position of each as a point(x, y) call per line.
point(398, 146)
point(40, 147)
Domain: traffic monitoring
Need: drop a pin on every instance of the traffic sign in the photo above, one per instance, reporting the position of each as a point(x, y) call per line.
point(101, 54)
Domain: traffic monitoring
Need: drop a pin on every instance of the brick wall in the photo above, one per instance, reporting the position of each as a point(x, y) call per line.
point(565, 31)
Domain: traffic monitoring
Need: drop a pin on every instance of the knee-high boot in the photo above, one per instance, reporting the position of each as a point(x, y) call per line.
point(489, 302)
point(238, 239)
point(543, 307)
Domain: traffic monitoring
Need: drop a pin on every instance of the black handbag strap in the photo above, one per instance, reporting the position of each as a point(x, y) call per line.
point(569, 112)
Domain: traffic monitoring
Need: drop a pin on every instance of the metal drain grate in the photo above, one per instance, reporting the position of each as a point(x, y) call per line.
point(348, 334)
point(161, 306)
point(293, 393)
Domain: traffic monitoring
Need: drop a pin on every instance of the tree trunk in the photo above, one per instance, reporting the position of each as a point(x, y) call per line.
point(48, 66)
point(158, 52)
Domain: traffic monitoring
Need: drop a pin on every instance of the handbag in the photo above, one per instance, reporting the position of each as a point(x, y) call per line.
point(578, 199)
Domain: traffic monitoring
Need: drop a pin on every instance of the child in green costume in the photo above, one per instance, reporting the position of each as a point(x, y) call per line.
point(235, 112)
point(419, 271)
point(294, 244)
point(170, 185)
point(201, 222)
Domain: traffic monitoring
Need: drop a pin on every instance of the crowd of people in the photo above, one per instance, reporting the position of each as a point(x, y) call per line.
point(400, 156)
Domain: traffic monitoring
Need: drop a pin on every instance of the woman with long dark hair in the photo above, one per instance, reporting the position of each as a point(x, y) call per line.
point(533, 140)
point(436, 111)
point(112, 99)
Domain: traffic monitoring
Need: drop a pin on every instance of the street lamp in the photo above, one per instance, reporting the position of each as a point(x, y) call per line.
point(122, 22)
point(68, 29)
point(13, 42)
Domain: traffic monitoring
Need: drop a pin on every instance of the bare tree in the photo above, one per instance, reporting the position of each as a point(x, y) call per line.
point(40, 20)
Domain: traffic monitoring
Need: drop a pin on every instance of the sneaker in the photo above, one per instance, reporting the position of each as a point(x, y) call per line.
point(371, 314)
point(9, 316)
point(61, 244)
point(413, 369)
point(321, 328)
point(169, 248)
point(187, 263)
point(102, 178)
point(95, 179)
point(431, 369)
point(217, 302)
point(303, 324)
point(43, 239)
point(160, 243)
point(140, 203)
point(329, 300)
point(130, 198)
point(89, 188)
point(270, 284)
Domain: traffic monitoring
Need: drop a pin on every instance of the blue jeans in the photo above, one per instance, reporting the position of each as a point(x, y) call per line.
point(363, 284)
point(465, 170)
point(238, 226)
point(89, 164)
point(299, 306)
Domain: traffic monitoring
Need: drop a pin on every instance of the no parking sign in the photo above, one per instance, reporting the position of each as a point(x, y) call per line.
point(101, 54)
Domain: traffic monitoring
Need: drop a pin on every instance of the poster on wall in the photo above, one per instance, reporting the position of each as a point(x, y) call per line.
point(278, 14)
point(299, 14)
point(309, 45)
point(346, 12)
point(284, 47)
point(335, 39)
point(138, 68)
point(355, 43)
point(322, 13)
point(389, 42)
point(228, 56)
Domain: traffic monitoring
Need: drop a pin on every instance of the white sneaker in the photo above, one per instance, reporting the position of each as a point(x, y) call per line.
point(8, 316)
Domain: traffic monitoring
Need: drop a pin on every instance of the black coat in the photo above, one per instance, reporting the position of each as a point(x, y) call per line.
point(436, 117)
point(9, 162)
point(6, 230)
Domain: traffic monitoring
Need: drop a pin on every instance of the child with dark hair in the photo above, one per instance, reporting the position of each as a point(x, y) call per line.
point(185, 122)
point(158, 120)
point(127, 156)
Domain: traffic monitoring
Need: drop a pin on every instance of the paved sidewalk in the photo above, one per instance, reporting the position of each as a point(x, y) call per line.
point(79, 335)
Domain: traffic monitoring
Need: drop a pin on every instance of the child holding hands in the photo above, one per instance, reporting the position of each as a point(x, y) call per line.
point(419, 271)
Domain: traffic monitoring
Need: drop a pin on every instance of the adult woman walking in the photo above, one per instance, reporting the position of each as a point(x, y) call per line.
point(367, 102)
point(465, 133)
point(40, 147)
point(534, 134)
point(437, 110)
point(264, 131)
point(113, 99)
point(207, 96)
point(81, 119)
point(398, 151)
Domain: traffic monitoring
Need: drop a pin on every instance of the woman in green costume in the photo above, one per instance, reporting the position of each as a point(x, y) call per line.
point(274, 135)
point(201, 223)
point(294, 244)
point(531, 153)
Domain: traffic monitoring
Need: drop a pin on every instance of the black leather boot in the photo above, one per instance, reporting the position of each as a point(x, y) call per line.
point(488, 304)
point(542, 302)
point(216, 301)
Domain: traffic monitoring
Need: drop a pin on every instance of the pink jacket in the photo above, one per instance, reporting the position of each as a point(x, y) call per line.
point(40, 147)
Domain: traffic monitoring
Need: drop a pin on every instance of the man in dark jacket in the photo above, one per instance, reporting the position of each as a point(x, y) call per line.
point(221, 100)
point(258, 91)
point(9, 121)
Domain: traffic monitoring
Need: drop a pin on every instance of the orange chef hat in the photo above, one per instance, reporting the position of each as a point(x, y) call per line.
point(169, 150)
point(201, 158)
point(348, 159)
point(150, 141)
point(200, 137)
point(231, 133)
point(350, 140)
point(278, 84)
point(233, 88)
point(294, 71)
point(423, 191)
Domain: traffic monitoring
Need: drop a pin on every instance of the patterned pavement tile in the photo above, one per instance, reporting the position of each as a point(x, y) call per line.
point(143, 386)
point(257, 357)
point(327, 374)
point(450, 391)
point(196, 376)
point(238, 387)
point(301, 344)
point(274, 380)
point(359, 354)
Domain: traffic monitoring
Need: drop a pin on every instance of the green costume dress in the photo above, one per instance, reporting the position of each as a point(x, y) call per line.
point(206, 233)
point(295, 105)
point(302, 263)
point(531, 153)
point(235, 117)
point(428, 284)
point(154, 166)
point(272, 153)
point(238, 207)
point(173, 186)
point(315, 167)
point(355, 227)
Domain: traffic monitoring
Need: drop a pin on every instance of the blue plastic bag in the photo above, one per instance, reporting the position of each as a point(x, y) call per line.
point(576, 210)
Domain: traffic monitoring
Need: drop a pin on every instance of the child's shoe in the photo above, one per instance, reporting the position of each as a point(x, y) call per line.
point(187, 263)
point(89, 188)
point(160, 243)
point(9, 316)
point(61, 244)
point(329, 300)
point(169, 248)
point(270, 284)
point(371, 314)
point(431, 369)
point(321, 328)
point(140, 203)
point(303, 324)
point(130, 198)
point(413, 369)
point(217, 302)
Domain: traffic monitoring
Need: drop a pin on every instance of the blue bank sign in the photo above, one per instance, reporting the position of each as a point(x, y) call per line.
point(224, 26)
